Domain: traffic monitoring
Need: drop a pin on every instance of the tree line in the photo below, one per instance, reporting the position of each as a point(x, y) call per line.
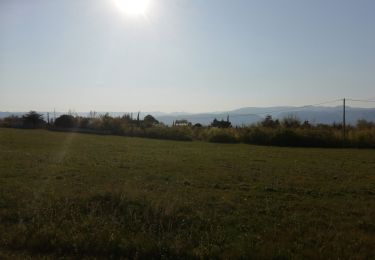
point(289, 131)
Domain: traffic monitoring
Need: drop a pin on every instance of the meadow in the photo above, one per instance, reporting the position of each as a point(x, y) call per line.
point(73, 195)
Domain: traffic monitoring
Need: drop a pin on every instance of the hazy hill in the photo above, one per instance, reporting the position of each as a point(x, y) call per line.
point(249, 115)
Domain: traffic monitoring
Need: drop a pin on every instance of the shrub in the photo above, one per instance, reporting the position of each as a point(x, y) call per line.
point(169, 133)
point(216, 135)
point(257, 135)
point(12, 121)
point(159, 132)
point(313, 137)
point(286, 137)
point(362, 138)
point(83, 122)
point(364, 124)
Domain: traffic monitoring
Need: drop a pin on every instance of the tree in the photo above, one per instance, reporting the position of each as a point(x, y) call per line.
point(221, 124)
point(306, 124)
point(291, 122)
point(149, 120)
point(12, 121)
point(33, 120)
point(106, 121)
point(269, 122)
point(83, 122)
point(65, 121)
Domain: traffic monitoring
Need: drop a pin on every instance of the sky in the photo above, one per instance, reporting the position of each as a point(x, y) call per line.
point(184, 55)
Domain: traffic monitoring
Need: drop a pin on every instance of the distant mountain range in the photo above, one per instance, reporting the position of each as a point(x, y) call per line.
point(250, 115)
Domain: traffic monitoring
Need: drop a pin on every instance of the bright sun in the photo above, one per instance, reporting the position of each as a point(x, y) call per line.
point(132, 7)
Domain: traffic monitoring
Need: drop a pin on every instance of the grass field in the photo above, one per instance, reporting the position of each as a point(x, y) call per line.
point(80, 195)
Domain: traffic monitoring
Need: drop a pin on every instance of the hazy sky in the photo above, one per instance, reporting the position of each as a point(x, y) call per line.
point(184, 55)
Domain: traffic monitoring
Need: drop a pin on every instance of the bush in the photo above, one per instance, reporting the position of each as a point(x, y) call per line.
point(321, 137)
point(83, 122)
point(256, 135)
point(169, 133)
point(303, 137)
point(216, 135)
point(364, 124)
point(159, 132)
point(286, 137)
point(12, 121)
point(362, 138)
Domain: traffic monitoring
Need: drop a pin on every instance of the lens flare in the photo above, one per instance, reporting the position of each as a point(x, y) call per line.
point(132, 7)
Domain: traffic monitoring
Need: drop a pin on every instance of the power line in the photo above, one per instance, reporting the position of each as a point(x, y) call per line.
point(362, 100)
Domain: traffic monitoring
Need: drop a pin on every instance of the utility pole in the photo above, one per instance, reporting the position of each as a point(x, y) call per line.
point(344, 119)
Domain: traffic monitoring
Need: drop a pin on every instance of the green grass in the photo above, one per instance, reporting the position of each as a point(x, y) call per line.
point(87, 196)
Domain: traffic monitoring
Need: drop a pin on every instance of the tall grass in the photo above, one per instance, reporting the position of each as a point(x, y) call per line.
point(109, 224)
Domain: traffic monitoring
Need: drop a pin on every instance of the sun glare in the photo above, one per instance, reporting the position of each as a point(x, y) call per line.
point(132, 7)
